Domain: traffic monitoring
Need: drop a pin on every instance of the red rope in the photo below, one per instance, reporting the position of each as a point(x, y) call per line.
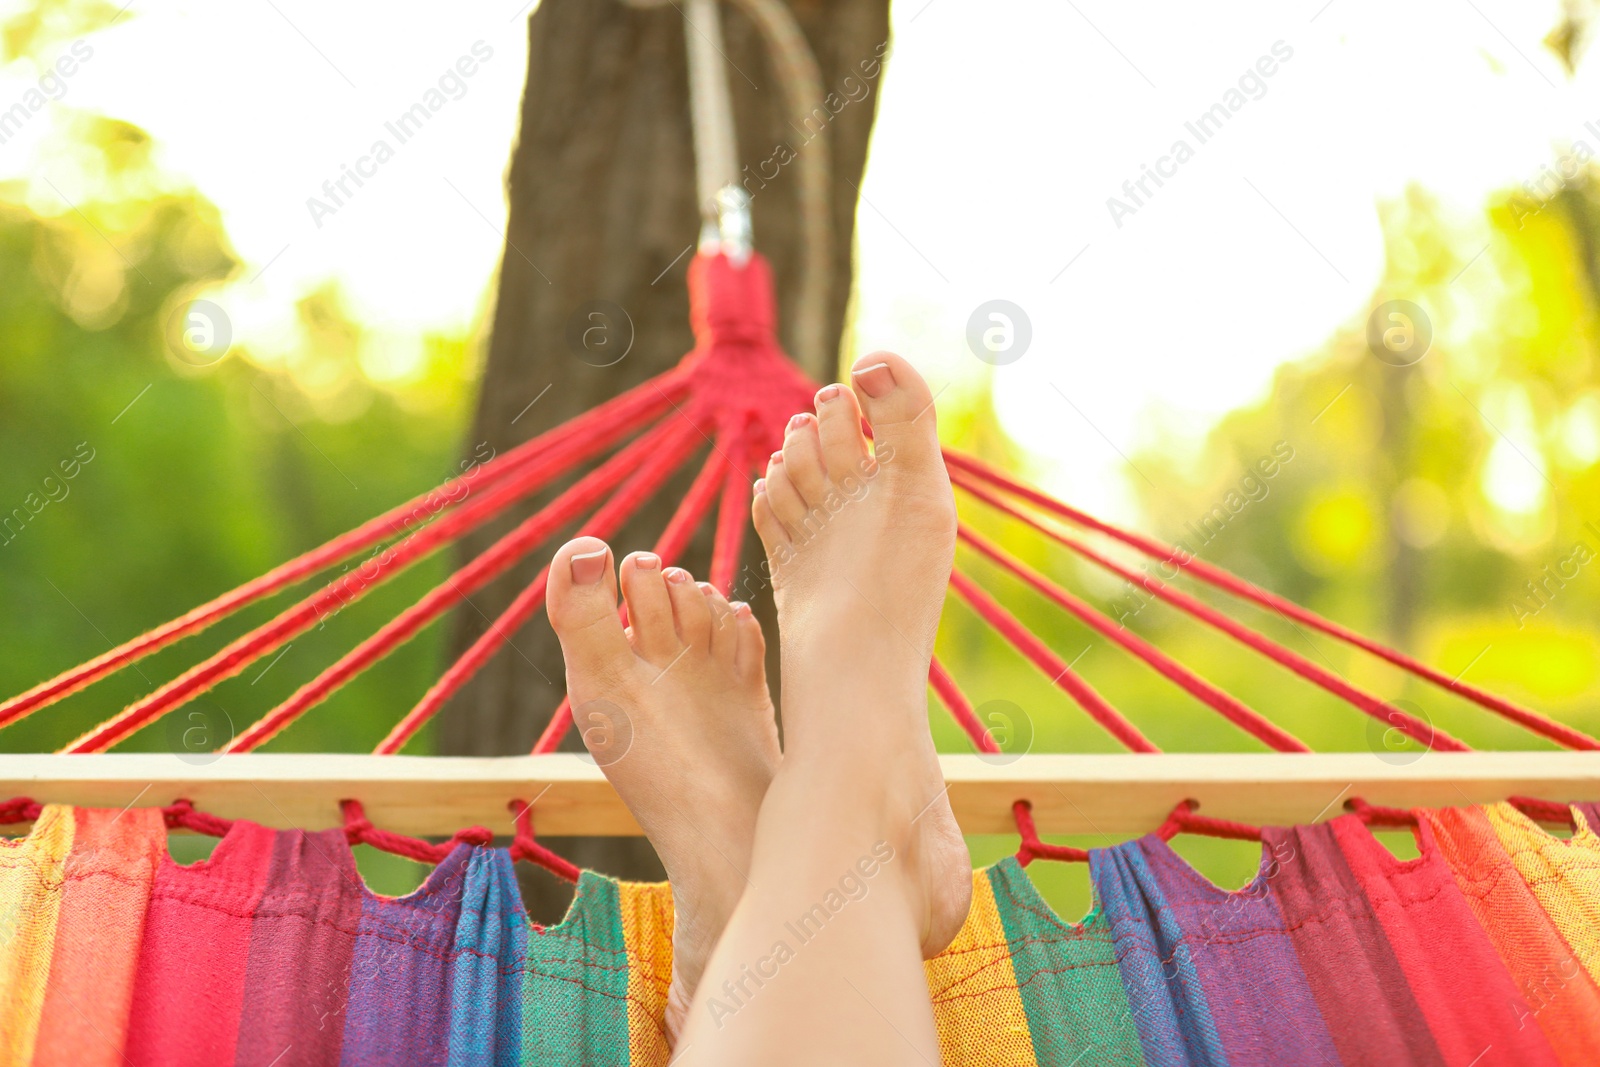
point(19, 809)
point(1232, 709)
point(554, 730)
point(358, 830)
point(1376, 815)
point(1546, 811)
point(607, 421)
point(525, 846)
point(181, 814)
point(1169, 827)
point(494, 561)
point(690, 513)
point(1184, 820)
point(960, 708)
point(617, 509)
point(1213, 575)
point(1058, 670)
point(1366, 702)
point(330, 599)
point(1033, 848)
point(733, 517)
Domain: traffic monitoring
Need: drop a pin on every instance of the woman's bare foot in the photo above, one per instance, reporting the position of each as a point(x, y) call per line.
point(675, 709)
point(860, 540)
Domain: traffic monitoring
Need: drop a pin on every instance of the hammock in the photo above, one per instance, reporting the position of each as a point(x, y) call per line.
point(1481, 950)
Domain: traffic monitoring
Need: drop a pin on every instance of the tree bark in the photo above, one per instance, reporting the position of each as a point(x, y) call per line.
point(602, 207)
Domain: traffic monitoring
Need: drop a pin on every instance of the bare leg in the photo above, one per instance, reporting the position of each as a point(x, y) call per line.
point(858, 870)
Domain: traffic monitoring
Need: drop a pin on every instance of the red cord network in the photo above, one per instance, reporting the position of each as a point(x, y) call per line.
point(732, 396)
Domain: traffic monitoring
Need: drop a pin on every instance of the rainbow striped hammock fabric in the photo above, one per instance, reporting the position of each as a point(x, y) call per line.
point(1484, 950)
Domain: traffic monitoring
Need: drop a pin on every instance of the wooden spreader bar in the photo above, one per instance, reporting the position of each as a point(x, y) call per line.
point(1112, 795)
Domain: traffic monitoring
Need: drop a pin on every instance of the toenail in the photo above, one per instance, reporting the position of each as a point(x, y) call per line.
point(647, 560)
point(776, 457)
point(798, 421)
point(740, 607)
point(707, 588)
point(876, 381)
point(761, 486)
point(588, 567)
point(827, 393)
point(676, 575)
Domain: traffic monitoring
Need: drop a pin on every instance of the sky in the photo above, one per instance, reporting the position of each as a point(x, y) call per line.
point(1004, 132)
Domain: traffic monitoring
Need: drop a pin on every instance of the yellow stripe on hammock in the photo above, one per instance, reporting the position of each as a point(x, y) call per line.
point(1564, 876)
point(647, 934)
point(32, 874)
point(977, 1008)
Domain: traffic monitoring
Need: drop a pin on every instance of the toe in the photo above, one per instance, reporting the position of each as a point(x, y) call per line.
point(784, 498)
point(773, 536)
point(802, 458)
point(844, 448)
point(582, 604)
point(899, 405)
point(724, 639)
point(750, 659)
point(689, 609)
point(655, 635)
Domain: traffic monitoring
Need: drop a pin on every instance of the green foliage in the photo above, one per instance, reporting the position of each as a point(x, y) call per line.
point(137, 485)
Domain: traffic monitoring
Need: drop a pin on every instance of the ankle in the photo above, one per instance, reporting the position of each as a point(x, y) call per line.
point(893, 689)
point(853, 801)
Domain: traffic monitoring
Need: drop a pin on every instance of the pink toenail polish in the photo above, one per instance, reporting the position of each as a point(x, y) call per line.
point(761, 486)
point(798, 421)
point(776, 457)
point(588, 567)
point(828, 392)
point(676, 575)
point(876, 381)
point(647, 561)
point(707, 588)
point(740, 607)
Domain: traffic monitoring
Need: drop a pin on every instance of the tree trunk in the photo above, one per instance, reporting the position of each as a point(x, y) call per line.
point(602, 203)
